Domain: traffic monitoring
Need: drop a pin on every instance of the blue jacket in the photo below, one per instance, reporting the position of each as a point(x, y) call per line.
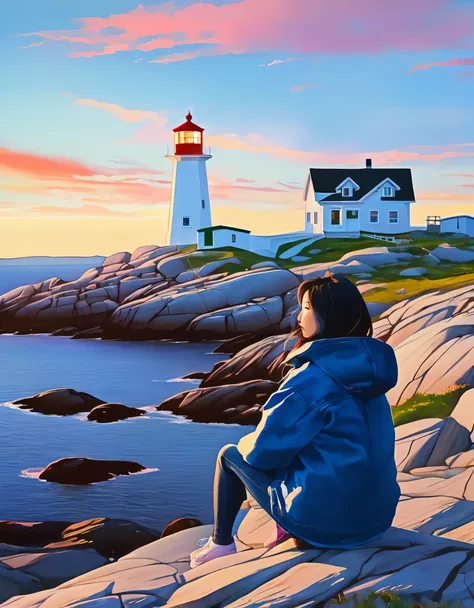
point(327, 440)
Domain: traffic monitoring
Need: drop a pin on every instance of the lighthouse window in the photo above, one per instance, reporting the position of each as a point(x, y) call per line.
point(203, 203)
point(186, 221)
point(234, 238)
point(189, 137)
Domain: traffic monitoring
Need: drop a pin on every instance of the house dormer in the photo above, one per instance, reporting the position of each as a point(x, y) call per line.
point(347, 187)
point(388, 188)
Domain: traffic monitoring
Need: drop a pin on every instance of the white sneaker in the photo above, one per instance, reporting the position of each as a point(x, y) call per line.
point(210, 551)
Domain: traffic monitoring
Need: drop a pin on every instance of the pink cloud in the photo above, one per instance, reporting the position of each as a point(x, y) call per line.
point(450, 63)
point(29, 46)
point(290, 186)
point(122, 113)
point(276, 62)
point(232, 141)
point(25, 172)
point(42, 166)
point(94, 210)
point(252, 26)
point(429, 195)
point(297, 88)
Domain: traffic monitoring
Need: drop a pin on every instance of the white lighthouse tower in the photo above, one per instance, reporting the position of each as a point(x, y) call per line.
point(190, 208)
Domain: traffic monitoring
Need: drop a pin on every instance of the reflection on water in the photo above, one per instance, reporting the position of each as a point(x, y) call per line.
point(180, 453)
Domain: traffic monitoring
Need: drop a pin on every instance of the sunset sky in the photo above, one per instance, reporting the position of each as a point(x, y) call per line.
point(90, 91)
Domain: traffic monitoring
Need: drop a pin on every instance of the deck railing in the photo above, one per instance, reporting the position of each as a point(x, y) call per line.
point(389, 239)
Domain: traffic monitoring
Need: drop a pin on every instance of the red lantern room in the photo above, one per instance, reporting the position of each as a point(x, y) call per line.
point(188, 138)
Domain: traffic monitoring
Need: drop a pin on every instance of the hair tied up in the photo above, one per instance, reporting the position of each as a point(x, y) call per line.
point(330, 275)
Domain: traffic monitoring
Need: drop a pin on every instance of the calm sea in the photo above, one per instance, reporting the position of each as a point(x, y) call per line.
point(137, 374)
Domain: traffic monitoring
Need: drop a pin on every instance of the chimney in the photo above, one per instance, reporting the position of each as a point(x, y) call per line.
point(368, 163)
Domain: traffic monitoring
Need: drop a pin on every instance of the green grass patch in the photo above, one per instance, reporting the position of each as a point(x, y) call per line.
point(415, 286)
point(392, 600)
point(430, 241)
point(431, 405)
point(247, 259)
point(286, 246)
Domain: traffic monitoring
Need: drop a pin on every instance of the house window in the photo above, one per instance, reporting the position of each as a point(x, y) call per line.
point(352, 214)
point(203, 203)
point(308, 217)
point(234, 238)
point(186, 221)
point(346, 192)
point(315, 217)
point(374, 217)
point(388, 191)
point(335, 216)
point(393, 217)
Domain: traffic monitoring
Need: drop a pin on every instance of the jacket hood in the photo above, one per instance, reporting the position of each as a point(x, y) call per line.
point(365, 366)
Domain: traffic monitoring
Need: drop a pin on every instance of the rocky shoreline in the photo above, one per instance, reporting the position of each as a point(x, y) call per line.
point(426, 555)
point(162, 292)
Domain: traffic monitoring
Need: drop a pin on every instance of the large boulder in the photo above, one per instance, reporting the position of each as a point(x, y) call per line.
point(413, 272)
point(111, 538)
point(59, 402)
point(47, 567)
point(117, 258)
point(452, 254)
point(457, 432)
point(415, 441)
point(83, 471)
point(220, 403)
point(172, 311)
point(432, 335)
point(255, 316)
point(253, 362)
point(401, 563)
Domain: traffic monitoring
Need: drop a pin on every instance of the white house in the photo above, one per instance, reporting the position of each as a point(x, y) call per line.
point(190, 207)
point(342, 203)
point(215, 237)
point(463, 224)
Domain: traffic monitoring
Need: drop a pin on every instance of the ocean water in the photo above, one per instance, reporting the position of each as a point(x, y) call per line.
point(14, 274)
point(180, 453)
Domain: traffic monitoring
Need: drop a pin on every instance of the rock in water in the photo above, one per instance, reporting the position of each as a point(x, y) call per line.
point(111, 538)
point(59, 402)
point(219, 403)
point(112, 412)
point(82, 471)
point(178, 525)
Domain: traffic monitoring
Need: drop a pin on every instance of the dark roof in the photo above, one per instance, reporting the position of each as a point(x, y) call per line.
point(220, 227)
point(327, 180)
point(188, 125)
point(453, 217)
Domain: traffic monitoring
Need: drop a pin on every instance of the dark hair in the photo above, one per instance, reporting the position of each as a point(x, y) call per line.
point(340, 304)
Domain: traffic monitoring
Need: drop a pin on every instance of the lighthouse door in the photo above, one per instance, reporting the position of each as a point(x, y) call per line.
point(208, 238)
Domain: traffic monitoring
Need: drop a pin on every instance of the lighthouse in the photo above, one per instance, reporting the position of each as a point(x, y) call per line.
point(190, 208)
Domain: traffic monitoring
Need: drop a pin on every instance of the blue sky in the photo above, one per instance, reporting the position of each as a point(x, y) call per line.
point(279, 87)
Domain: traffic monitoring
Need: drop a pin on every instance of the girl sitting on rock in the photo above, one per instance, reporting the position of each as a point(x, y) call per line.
point(321, 460)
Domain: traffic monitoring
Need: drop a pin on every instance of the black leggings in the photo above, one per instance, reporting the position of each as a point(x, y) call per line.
point(232, 477)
